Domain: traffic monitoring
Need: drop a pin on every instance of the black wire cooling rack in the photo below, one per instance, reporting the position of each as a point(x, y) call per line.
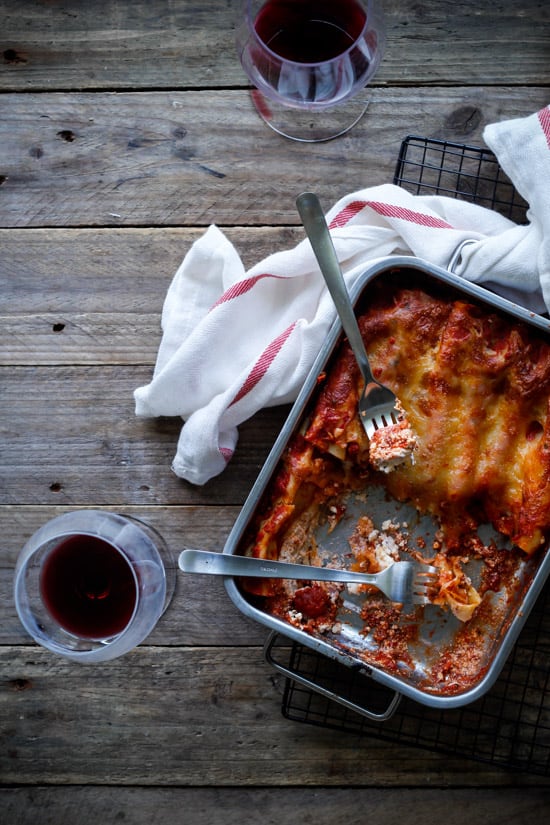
point(510, 725)
point(440, 167)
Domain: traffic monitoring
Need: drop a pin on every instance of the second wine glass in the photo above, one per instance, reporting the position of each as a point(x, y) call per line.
point(309, 62)
point(90, 585)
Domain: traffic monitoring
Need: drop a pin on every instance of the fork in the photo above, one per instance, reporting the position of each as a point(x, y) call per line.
point(402, 581)
point(377, 405)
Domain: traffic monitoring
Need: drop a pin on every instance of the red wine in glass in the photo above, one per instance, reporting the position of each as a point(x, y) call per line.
point(89, 587)
point(312, 31)
point(309, 57)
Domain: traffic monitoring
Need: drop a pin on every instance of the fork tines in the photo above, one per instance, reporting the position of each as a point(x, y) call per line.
point(383, 420)
point(425, 585)
point(373, 420)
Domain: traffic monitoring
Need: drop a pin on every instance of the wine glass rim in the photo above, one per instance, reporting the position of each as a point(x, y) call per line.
point(288, 61)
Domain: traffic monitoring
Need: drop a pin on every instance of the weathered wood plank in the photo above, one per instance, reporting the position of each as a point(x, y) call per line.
point(94, 270)
point(225, 806)
point(87, 338)
point(95, 296)
point(71, 438)
point(221, 727)
point(143, 159)
point(126, 44)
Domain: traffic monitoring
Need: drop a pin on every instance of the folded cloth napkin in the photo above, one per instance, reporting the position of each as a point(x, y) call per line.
point(235, 341)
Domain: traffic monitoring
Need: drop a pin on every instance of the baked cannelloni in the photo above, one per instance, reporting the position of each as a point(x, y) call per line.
point(474, 387)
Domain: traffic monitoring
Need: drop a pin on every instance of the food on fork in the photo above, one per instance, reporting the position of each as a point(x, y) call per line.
point(393, 444)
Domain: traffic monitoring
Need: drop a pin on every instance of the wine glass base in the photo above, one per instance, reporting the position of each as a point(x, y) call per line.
point(309, 126)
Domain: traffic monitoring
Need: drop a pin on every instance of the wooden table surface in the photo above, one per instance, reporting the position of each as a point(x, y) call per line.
point(125, 130)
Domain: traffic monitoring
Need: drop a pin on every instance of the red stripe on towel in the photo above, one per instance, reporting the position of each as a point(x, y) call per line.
point(544, 120)
point(241, 288)
point(263, 364)
point(389, 210)
point(347, 213)
point(226, 454)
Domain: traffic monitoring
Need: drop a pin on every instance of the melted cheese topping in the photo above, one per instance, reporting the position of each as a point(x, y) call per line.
point(476, 390)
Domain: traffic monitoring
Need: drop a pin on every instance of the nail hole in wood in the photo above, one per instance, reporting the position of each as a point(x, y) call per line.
point(20, 684)
point(12, 56)
point(66, 134)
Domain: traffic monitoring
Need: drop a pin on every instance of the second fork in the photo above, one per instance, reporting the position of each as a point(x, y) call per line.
point(402, 581)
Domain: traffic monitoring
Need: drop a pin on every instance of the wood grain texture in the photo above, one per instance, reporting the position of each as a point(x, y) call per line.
point(82, 443)
point(186, 44)
point(278, 806)
point(101, 292)
point(164, 158)
point(222, 726)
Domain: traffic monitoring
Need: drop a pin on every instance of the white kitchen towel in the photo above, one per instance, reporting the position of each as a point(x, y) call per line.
point(235, 341)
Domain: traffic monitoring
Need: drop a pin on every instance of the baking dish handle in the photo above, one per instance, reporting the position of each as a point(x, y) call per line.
point(295, 676)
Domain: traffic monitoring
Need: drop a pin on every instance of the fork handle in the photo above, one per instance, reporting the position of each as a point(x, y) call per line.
point(224, 564)
point(314, 222)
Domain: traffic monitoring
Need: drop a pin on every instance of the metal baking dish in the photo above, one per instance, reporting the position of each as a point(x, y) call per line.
point(438, 628)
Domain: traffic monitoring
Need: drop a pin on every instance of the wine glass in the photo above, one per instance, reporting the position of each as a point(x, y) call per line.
point(309, 62)
point(91, 585)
